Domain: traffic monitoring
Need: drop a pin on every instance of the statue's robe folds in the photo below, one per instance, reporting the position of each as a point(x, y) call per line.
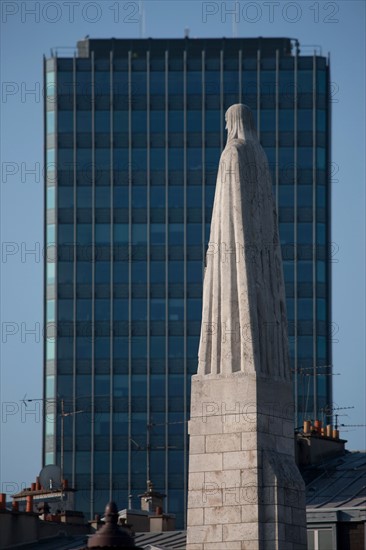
point(244, 315)
point(256, 495)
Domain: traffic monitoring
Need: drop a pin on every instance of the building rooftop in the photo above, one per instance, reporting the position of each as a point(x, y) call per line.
point(162, 541)
point(337, 483)
point(120, 46)
point(57, 543)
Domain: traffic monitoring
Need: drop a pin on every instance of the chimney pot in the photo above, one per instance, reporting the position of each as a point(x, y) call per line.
point(318, 426)
point(29, 504)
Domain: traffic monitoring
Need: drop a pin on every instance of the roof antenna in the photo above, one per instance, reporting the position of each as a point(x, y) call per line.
point(234, 26)
point(186, 32)
point(142, 19)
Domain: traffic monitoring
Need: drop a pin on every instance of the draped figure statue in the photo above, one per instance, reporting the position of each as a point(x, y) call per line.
point(244, 325)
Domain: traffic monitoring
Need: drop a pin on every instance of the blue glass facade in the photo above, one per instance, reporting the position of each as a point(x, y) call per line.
point(134, 130)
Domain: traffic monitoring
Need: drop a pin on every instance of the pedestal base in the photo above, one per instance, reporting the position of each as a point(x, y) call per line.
point(245, 491)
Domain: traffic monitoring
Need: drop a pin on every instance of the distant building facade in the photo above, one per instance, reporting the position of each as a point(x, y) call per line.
point(133, 134)
point(335, 491)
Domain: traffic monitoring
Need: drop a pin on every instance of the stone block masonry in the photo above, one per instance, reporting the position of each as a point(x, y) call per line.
point(245, 490)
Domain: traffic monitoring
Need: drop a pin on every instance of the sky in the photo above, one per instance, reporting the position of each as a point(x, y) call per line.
point(29, 29)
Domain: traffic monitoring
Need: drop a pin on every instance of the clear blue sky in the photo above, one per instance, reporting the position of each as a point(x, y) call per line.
point(338, 27)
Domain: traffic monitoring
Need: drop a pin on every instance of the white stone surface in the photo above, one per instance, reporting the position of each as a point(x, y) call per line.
point(207, 533)
point(245, 492)
point(240, 531)
point(222, 478)
point(218, 514)
point(259, 479)
point(196, 481)
point(197, 444)
point(244, 313)
point(230, 441)
point(203, 462)
point(222, 546)
point(195, 516)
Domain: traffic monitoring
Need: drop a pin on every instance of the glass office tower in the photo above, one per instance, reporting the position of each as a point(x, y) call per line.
point(133, 134)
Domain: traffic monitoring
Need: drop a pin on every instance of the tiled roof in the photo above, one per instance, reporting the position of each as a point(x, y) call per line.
point(167, 540)
point(337, 483)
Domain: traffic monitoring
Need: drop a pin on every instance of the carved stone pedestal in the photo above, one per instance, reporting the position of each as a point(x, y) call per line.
point(245, 491)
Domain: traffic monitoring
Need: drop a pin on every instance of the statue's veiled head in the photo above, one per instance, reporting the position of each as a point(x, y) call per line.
point(240, 123)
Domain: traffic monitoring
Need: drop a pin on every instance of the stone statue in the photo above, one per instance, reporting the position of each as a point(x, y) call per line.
point(244, 488)
point(244, 316)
